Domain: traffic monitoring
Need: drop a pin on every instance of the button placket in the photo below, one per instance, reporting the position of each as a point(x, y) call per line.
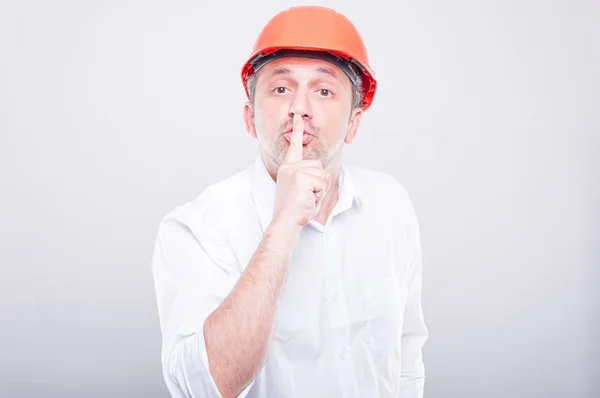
point(338, 313)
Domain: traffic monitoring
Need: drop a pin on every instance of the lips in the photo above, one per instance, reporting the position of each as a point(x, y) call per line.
point(306, 137)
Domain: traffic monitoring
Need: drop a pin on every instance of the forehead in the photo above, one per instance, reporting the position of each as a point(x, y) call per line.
point(298, 66)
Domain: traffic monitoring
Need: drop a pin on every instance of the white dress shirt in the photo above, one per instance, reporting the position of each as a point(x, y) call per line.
point(350, 321)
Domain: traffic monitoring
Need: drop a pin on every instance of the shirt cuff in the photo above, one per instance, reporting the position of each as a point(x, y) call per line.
point(190, 371)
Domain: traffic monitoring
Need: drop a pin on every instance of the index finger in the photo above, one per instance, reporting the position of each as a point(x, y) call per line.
point(294, 152)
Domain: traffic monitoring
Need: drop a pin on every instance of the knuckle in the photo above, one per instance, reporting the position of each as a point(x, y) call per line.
point(296, 175)
point(304, 219)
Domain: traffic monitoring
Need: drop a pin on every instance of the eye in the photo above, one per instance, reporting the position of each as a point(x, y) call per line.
point(325, 93)
point(280, 90)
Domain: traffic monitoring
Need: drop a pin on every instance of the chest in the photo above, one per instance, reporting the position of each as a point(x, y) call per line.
point(345, 283)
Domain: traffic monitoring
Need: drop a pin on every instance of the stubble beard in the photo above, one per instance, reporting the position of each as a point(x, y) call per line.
point(314, 150)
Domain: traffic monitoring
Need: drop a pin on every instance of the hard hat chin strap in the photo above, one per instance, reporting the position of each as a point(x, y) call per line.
point(350, 67)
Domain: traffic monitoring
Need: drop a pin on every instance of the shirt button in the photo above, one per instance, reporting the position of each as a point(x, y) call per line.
point(335, 298)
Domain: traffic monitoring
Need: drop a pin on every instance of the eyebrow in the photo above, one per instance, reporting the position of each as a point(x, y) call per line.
point(280, 71)
point(328, 71)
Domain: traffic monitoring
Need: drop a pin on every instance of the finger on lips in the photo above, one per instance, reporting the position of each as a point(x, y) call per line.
point(294, 153)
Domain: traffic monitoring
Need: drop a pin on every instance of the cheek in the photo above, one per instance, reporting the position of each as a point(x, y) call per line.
point(333, 123)
point(268, 122)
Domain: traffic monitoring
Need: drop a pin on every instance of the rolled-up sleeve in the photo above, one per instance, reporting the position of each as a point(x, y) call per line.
point(194, 269)
point(414, 331)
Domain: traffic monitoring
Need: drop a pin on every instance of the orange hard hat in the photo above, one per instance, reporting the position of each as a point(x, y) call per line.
point(317, 32)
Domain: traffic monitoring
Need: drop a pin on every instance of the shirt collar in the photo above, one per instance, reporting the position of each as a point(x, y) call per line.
point(263, 193)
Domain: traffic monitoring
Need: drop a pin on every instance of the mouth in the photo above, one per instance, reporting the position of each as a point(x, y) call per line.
point(306, 137)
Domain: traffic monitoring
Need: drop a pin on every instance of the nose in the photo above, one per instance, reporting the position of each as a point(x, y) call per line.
point(300, 105)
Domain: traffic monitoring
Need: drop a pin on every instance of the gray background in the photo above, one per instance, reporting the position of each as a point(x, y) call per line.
point(112, 113)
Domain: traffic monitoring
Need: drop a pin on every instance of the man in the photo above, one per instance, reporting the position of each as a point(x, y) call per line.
point(299, 276)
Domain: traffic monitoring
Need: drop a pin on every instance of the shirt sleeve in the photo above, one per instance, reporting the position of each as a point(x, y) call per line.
point(194, 269)
point(414, 331)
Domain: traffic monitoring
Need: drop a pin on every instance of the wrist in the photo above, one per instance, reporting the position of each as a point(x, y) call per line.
point(284, 228)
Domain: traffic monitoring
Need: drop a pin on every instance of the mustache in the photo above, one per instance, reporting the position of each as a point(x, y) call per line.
point(308, 127)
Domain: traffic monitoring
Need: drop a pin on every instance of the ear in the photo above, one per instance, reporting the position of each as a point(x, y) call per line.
point(249, 119)
point(353, 125)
